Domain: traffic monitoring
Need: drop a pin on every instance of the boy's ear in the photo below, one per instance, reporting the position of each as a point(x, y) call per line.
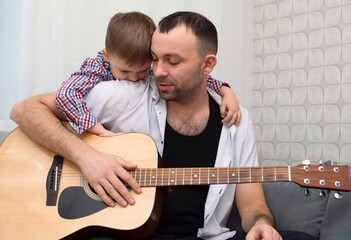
point(106, 56)
point(210, 62)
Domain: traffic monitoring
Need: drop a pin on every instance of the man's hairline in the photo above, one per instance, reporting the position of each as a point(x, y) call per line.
point(187, 29)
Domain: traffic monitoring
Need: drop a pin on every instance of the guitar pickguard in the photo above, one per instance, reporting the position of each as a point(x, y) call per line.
point(74, 203)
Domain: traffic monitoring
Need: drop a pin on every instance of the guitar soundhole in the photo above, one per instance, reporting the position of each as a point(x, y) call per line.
point(92, 189)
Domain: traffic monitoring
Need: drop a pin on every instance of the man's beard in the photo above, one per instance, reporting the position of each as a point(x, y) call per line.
point(186, 91)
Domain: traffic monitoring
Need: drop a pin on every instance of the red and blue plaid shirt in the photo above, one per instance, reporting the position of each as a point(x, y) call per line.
point(69, 98)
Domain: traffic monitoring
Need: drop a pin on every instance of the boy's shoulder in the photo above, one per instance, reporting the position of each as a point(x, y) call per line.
point(96, 66)
point(98, 60)
point(120, 89)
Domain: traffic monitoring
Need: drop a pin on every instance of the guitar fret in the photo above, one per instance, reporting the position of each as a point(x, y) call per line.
point(191, 176)
point(227, 175)
point(250, 174)
point(170, 177)
point(183, 175)
point(217, 175)
point(156, 178)
point(175, 178)
point(144, 177)
point(150, 177)
point(162, 175)
point(139, 173)
point(238, 175)
point(140, 179)
point(145, 170)
point(199, 176)
point(136, 176)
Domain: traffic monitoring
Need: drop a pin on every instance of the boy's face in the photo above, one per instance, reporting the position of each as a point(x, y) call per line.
point(122, 71)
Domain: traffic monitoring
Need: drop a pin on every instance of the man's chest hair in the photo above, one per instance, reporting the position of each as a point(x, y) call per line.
point(188, 124)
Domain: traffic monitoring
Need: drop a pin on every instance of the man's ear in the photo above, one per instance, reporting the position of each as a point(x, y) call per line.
point(106, 56)
point(210, 61)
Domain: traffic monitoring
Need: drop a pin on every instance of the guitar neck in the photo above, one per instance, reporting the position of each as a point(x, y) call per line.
point(151, 177)
point(312, 176)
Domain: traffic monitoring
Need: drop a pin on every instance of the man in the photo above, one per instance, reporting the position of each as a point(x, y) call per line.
point(183, 48)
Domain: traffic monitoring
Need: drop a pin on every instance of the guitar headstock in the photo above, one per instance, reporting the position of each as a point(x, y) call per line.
point(322, 176)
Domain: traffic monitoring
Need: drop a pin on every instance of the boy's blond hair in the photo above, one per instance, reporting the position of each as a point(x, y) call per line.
point(129, 37)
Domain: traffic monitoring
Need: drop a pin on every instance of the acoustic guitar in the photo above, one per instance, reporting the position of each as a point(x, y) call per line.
point(43, 196)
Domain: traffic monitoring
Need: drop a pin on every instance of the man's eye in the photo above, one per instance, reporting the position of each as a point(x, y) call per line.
point(173, 63)
point(155, 60)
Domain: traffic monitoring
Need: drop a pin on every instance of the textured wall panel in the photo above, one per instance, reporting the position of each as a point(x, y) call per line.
point(301, 90)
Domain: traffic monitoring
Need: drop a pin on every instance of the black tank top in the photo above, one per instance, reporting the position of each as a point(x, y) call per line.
point(183, 209)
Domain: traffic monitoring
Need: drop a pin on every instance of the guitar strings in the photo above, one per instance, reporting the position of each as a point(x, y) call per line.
point(221, 175)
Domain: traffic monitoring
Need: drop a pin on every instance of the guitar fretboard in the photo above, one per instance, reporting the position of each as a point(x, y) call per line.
point(150, 177)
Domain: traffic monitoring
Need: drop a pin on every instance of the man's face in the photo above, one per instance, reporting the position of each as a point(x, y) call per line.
point(122, 71)
point(176, 64)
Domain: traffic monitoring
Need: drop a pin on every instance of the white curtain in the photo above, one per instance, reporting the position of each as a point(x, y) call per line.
point(43, 41)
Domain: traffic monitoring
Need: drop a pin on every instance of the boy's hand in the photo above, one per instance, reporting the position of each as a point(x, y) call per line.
point(99, 130)
point(230, 110)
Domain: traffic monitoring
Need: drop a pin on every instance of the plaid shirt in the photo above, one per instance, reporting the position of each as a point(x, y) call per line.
point(69, 98)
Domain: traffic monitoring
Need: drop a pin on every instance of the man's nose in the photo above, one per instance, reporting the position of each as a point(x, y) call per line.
point(160, 69)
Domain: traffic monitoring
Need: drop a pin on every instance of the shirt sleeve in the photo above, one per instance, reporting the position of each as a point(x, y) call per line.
point(69, 98)
point(214, 84)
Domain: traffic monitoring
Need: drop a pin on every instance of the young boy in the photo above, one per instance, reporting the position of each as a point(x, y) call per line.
point(126, 57)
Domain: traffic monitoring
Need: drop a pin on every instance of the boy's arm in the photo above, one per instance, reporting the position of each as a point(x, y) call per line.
point(230, 109)
point(99, 130)
point(40, 119)
point(69, 98)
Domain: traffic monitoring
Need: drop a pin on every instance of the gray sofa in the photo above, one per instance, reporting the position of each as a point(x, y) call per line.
point(324, 218)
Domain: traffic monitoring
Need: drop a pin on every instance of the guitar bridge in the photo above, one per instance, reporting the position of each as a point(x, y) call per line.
point(53, 181)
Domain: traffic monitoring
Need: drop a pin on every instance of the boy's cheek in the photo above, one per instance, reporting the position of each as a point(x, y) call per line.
point(119, 76)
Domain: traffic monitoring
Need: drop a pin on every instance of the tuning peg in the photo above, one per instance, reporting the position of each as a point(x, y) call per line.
point(338, 195)
point(307, 192)
point(306, 162)
point(322, 194)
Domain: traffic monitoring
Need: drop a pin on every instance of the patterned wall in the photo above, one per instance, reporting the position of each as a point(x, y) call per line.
point(301, 91)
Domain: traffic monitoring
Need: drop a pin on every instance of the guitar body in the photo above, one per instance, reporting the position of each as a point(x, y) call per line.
point(43, 196)
point(24, 214)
